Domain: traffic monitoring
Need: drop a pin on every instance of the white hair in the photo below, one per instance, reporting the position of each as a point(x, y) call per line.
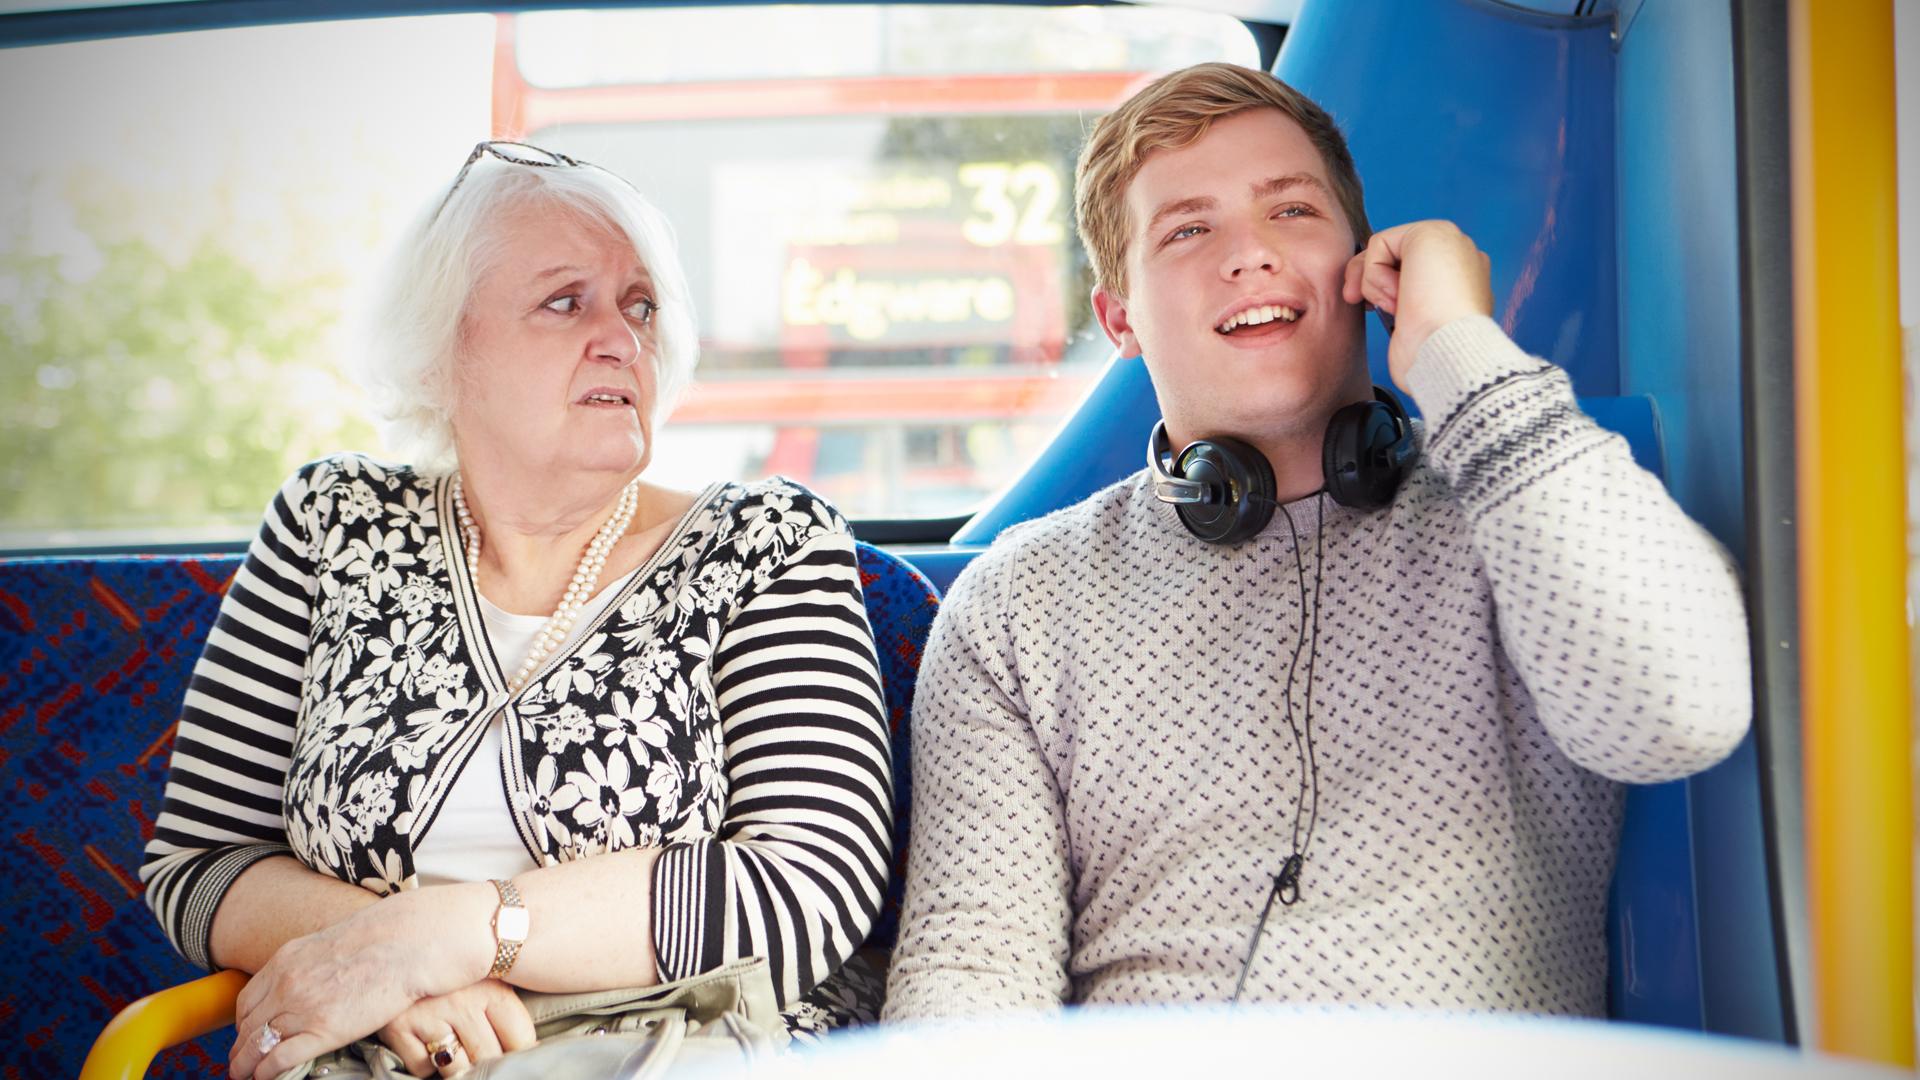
point(412, 323)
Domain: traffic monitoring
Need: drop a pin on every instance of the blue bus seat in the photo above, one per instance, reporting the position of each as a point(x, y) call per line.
point(95, 654)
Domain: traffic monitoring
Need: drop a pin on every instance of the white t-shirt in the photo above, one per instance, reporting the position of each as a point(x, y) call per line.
point(474, 838)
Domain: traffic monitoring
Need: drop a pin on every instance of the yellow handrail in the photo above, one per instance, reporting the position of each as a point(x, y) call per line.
point(1856, 720)
point(130, 1040)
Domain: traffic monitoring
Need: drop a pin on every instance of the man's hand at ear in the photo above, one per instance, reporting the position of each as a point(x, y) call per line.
point(1425, 274)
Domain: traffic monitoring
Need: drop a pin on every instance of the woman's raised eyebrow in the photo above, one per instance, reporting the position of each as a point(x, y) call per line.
point(642, 283)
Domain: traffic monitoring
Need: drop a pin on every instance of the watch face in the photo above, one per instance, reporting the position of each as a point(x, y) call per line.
point(510, 924)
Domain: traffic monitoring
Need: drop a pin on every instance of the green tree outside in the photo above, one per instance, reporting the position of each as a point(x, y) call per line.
point(160, 395)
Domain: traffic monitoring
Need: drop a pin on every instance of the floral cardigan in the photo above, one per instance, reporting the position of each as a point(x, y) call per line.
point(726, 709)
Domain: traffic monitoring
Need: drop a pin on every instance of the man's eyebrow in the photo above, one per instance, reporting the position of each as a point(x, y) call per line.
point(1276, 184)
point(1263, 189)
point(1180, 206)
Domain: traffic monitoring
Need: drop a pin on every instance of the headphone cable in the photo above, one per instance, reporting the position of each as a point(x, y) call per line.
point(1313, 655)
point(1286, 883)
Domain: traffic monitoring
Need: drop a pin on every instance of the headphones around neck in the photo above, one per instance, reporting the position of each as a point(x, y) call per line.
point(1223, 488)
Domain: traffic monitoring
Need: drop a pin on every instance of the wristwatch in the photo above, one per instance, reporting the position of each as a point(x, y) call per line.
point(510, 923)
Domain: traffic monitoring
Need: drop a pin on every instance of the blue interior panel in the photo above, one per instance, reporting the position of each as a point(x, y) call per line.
point(1678, 239)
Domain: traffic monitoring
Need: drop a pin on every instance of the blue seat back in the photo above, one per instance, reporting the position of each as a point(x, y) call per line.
point(1653, 941)
point(94, 660)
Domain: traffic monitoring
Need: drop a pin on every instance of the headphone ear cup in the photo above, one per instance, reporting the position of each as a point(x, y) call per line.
point(1244, 479)
point(1340, 452)
point(1354, 456)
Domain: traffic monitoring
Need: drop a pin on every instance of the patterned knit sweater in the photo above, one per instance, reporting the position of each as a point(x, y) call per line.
point(1108, 750)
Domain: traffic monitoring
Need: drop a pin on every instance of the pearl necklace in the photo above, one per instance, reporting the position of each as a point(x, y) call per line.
point(581, 589)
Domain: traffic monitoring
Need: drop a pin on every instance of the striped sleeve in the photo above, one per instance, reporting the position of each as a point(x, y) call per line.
point(221, 812)
point(799, 866)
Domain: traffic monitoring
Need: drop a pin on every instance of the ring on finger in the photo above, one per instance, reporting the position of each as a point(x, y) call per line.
point(268, 1038)
point(445, 1051)
point(456, 1061)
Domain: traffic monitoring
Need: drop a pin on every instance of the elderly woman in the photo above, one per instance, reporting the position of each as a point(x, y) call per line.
point(518, 717)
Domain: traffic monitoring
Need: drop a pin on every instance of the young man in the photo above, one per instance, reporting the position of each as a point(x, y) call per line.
point(1367, 755)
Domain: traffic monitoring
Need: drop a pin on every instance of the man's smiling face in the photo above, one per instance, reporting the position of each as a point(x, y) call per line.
point(1236, 248)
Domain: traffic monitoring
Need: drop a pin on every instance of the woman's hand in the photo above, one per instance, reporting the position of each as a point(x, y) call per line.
point(473, 1025)
point(322, 991)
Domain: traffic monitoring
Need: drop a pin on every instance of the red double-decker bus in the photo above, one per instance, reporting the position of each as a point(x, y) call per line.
point(891, 299)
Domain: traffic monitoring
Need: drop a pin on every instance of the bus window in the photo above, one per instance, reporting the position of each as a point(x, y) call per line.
point(180, 234)
point(875, 208)
point(873, 205)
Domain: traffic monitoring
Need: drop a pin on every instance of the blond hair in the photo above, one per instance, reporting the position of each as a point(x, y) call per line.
point(1177, 110)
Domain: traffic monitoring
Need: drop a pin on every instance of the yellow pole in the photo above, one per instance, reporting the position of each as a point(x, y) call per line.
point(1855, 695)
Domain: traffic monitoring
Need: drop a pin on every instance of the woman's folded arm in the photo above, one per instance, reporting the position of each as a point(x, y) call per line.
point(798, 867)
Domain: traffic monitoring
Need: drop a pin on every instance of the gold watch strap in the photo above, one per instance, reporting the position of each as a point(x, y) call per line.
point(507, 939)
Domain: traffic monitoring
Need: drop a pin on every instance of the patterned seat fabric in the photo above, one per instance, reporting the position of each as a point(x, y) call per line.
point(94, 660)
point(900, 605)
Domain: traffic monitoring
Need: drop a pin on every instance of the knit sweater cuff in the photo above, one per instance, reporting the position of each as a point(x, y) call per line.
point(1458, 362)
point(1501, 420)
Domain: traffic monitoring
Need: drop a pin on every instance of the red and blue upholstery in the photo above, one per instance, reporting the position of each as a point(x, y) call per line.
point(94, 659)
point(901, 603)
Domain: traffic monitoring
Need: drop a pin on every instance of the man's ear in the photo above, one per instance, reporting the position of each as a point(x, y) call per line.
point(1111, 310)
